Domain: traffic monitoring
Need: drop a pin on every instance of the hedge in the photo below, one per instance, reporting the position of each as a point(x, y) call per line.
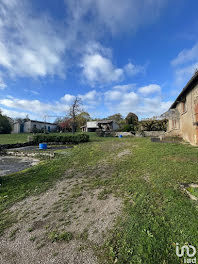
point(74, 139)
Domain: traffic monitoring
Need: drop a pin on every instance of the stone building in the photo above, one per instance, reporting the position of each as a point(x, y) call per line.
point(105, 125)
point(32, 125)
point(183, 114)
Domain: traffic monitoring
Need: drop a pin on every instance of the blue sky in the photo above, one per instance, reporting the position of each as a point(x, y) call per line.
point(119, 56)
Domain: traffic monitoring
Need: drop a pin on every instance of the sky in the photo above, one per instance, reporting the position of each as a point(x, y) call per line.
point(118, 56)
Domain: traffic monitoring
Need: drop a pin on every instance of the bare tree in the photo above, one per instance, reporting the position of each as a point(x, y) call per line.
point(75, 109)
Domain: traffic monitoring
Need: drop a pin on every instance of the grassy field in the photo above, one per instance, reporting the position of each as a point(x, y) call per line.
point(157, 213)
point(13, 138)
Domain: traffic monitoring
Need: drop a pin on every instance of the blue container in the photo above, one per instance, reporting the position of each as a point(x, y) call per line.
point(43, 146)
point(120, 136)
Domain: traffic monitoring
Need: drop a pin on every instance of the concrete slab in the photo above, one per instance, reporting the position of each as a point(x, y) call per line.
point(10, 165)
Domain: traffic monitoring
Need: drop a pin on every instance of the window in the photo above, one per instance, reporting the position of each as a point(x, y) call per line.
point(174, 124)
point(184, 106)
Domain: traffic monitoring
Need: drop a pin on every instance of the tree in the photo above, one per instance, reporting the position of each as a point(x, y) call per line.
point(82, 118)
point(116, 117)
point(65, 125)
point(5, 126)
point(74, 111)
point(132, 120)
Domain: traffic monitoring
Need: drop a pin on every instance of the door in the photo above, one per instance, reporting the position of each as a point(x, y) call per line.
point(21, 128)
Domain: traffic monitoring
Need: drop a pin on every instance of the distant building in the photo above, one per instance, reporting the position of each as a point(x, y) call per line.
point(32, 126)
point(105, 125)
point(183, 114)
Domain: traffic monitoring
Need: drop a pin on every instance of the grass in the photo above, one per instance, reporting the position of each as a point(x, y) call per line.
point(55, 236)
point(193, 191)
point(13, 138)
point(157, 213)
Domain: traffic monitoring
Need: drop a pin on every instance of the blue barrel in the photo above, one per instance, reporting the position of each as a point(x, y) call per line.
point(43, 146)
point(120, 136)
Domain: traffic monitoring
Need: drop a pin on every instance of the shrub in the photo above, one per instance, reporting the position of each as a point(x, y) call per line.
point(5, 126)
point(154, 125)
point(100, 133)
point(73, 139)
point(126, 128)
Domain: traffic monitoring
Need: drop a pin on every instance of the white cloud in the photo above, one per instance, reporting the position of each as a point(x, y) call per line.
point(113, 95)
point(150, 89)
point(13, 114)
point(185, 64)
point(68, 98)
point(132, 69)
point(112, 16)
point(125, 101)
point(89, 96)
point(3, 85)
point(30, 44)
point(31, 91)
point(186, 56)
point(185, 73)
point(99, 69)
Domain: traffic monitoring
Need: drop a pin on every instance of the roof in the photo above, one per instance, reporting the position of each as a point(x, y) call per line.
point(41, 122)
point(105, 121)
point(189, 86)
point(46, 123)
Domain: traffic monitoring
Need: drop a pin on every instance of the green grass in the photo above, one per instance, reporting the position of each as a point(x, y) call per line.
point(21, 138)
point(193, 191)
point(13, 138)
point(157, 213)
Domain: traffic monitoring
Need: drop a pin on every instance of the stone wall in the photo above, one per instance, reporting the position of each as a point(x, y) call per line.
point(154, 133)
point(17, 145)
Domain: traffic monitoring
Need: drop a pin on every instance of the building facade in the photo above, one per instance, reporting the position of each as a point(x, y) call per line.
point(183, 114)
point(32, 125)
point(105, 125)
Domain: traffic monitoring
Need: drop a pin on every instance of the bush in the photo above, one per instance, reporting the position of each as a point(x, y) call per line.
point(154, 125)
point(73, 139)
point(126, 128)
point(5, 126)
point(100, 133)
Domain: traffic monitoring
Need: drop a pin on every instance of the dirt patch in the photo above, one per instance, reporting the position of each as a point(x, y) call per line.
point(124, 153)
point(61, 225)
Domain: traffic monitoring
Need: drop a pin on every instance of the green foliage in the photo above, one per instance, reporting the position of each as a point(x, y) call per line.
point(5, 126)
point(127, 128)
point(116, 117)
point(100, 133)
point(14, 138)
point(73, 139)
point(154, 125)
point(82, 119)
point(132, 120)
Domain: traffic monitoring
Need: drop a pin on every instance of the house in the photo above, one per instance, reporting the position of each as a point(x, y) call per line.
point(105, 125)
point(30, 126)
point(183, 114)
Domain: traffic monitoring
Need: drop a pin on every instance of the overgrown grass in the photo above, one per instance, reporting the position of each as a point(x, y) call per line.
point(157, 213)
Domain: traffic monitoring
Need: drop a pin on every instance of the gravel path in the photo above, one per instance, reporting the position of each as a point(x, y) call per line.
point(69, 208)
